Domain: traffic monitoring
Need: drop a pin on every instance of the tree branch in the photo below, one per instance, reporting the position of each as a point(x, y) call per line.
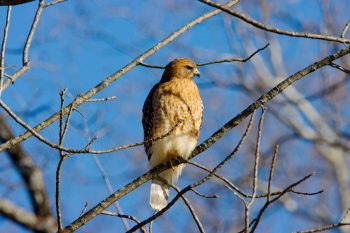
point(212, 62)
point(3, 48)
point(26, 219)
point(272, 29)
point(30, 174)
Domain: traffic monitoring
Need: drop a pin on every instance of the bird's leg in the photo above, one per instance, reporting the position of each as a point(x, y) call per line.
point(171, 165)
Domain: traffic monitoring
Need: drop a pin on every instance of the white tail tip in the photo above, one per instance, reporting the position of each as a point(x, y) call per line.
point(159, 195)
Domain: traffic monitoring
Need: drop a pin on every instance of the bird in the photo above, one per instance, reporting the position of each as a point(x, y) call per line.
point(172, 108)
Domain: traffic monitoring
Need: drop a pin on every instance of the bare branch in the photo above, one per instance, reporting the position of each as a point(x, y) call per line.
point(53, 3)
point(11, 79)
point(204, 195)
point(330, 226)
point(345, 29)
point(233, 188)
point(212, 62)
point(339, 68)
point(31, 32)
point(25, 62)
point(58, 191)
point(227, 183)
point(190, 208)
point(150, 66)
point(272, 29)
point(123, 216)
point(325, 228)
point(28, 220)
point(256, 221)
point(110, 190)
point(84, 209)
point(249, 204)
point(272, 168)
point(345, 216)
point(30, 173)
point(233, 59)
point(3, 48)
point(101, 99)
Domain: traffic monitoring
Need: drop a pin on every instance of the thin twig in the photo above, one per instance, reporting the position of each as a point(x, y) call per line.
point(58, 191)
point(63, 157)
point(233, 59)
point(249, 204)
point(110, 190)
point(286, 190)
point(61, 136)
point(204, 195)
point(212, 62)
point(101, 99)
point(233, 188)
point(84, 209)
point(272, 168)
point(345, 29)
point(227, 183)
point(339, 68)
point(53, 3)
point(3, 48)
point(330, 226)
point(141, 63)
point(190, 208)
point(244, 136)
point(123, 216)
point(307, 193)
point(265, 27)
point(346, 214)
point(325, 228)
point(31, 32)
point(25, 62)
point(17, 74)
point(66, 124)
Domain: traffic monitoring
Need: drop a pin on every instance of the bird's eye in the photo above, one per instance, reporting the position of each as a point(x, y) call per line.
point(189, 67)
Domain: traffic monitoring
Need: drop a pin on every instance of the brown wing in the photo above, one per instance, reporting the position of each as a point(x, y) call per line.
point(147, 121)
point(202, 110)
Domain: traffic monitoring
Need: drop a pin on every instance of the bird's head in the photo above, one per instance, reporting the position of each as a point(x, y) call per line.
point(182, 68)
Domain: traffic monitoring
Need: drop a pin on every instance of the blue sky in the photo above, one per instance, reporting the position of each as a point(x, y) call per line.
point(79, 43)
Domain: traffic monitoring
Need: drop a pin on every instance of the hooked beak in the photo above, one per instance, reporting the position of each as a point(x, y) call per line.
point(196, 73)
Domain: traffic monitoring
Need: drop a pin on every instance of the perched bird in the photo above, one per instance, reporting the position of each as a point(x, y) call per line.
point(173, 105)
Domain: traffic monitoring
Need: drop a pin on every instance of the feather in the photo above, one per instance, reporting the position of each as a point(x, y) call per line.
point(159, 195)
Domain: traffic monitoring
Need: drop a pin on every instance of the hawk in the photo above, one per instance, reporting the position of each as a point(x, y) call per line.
point(173, 105)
